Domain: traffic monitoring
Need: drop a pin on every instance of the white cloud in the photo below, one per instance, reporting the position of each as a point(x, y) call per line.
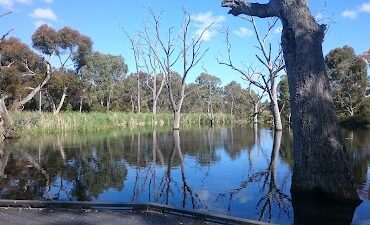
point(43, 14)
point(365, 7)
point(49, 1)
point(205, 19)
point(243, 32)
point(278, 30)
point(9, 4)
point(6, 3)
point(350, 14)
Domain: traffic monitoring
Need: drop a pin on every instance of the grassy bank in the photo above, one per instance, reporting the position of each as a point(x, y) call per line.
point(35, 122)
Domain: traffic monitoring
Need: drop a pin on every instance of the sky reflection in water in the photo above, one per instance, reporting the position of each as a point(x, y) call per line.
point(235, 171)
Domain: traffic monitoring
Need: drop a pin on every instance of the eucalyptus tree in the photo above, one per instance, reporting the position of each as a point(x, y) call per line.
point(157, 79)
point(283, 94)
point(232, 92)
point(348, 79)
point(186, 50)
point(104, 72)
point(265, 79)
point(212, 85)
point(321, 163)
point(23, 73)
point(255, 99)
point(137, 52)
point(6, 124)
point(68, 46)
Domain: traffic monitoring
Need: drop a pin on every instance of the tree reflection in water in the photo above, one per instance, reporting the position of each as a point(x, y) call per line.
point(238, 171)
point(269, 193)
point(52, 173)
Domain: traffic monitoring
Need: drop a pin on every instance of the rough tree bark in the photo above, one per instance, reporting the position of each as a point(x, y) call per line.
point(321, 161)
point(6, 123)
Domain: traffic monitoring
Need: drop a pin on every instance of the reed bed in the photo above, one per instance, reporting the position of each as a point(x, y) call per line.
point(35, 122)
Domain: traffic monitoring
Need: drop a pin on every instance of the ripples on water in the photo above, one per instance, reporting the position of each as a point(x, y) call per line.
point(235, 171)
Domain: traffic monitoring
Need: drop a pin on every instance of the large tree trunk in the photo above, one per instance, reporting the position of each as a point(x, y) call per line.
point(176, 120)
point(321, 162)
point(6, 123)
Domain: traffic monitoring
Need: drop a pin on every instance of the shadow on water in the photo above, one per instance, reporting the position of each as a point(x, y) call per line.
point(236, 171)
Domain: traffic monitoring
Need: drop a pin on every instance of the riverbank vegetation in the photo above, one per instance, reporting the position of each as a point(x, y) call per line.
point(27, 123)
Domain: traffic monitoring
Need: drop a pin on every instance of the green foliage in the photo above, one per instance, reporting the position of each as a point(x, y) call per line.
point(284, 98)
point(15, 77)
point(69, 108)
point(102, 76)
point(97, 107)
point(66, 41)
point(361, 117)
point(348, 79)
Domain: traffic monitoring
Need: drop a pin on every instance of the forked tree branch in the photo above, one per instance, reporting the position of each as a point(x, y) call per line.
point(238, 7)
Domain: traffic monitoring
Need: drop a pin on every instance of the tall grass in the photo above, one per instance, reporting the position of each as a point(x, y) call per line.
point(35, 122)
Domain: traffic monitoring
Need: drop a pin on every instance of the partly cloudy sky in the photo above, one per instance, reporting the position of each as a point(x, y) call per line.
point(356, 11)
point(98, 20)
point(204, 20)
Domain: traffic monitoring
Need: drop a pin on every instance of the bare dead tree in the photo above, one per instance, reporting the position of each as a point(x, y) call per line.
point(152, 64)
point(266, 79)
point(255, 101)
point(136, 50)
point(189, 53)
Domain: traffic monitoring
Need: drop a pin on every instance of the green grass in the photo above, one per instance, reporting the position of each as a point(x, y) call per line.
point(36, 123)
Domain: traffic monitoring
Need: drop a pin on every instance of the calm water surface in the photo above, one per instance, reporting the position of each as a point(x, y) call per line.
point(234, 171)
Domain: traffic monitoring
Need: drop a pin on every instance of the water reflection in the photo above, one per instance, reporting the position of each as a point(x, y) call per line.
point(237, 171)
point(270, 194)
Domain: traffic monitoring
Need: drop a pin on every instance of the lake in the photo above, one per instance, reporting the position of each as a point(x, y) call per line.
point(237, 171)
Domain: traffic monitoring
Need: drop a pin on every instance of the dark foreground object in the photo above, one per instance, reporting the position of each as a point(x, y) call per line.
point(21, 216)
point(16, 212)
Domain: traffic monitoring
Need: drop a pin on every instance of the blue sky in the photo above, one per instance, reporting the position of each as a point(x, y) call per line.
point(349, 25)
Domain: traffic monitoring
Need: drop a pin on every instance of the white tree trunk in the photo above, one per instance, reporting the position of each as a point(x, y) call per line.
point(176, 120)
point(57, 110)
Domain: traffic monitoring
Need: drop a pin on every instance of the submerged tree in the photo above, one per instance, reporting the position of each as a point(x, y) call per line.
point(321, 163)
point(187, 53)
point(265, 79)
